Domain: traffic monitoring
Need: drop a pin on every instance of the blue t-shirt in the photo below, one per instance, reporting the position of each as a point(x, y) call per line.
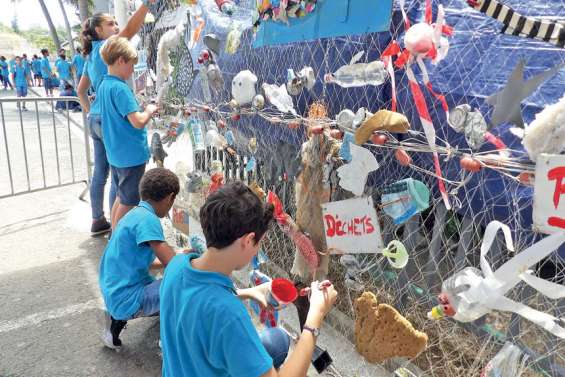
point(64, 69)
point(45, 68)
point(20, 76)
point(205, 329)
point(124, 268)
point(12, 65)
point(78, 63)
point(36, 66)
point(126, 146)
point(27, 66)
point(5, 70)
point(95, 69)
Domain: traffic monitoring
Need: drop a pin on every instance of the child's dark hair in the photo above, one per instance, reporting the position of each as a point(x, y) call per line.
point(231, 212)
point(44, 51)
point(35, 56)
point(157, 183)
point(89, 33)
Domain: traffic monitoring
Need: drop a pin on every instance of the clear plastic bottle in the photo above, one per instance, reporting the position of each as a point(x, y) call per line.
point(197, 137)
point(359, 74)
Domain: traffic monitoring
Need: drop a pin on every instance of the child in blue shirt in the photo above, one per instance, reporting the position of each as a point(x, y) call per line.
point(27, 65)
point(129, 291)
point(63, 70)
point(77, 64)
point(20, 76)
point(36, 69)
point(46, 73)
point(68, 91)
point(124, 133)
point(206, 330)
point(5, 73)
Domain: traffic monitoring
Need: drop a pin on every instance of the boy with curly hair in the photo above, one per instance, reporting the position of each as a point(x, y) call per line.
point(129, 291)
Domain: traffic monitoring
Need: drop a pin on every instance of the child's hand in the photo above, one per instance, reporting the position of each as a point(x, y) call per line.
point(259, 294)
point(322, 297)
point(151, 108)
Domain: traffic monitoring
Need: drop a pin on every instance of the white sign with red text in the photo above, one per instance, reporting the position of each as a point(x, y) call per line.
point(549, 194)
point(351, 226)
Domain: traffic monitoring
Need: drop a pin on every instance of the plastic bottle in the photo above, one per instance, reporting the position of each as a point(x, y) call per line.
point(359, 74)
point(452, 304)
point(197, 137)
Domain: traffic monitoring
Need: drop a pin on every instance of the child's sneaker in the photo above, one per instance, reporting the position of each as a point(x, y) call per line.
point(112, 330)
point(100, 226)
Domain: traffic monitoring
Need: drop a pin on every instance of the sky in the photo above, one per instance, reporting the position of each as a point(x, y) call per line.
point(30, 14)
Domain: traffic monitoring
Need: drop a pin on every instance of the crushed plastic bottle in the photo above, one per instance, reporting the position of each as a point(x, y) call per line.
point(455, 305)
point(508, 362)
point(357, 74)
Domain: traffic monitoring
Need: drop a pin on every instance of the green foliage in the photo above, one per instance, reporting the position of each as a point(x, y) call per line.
point(41, 38)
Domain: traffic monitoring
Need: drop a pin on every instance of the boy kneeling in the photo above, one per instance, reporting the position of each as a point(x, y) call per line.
point(128, 289)
point(206, 330)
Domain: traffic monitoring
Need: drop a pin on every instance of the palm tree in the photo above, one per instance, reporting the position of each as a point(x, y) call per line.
point(15, 26)
point(83, 7)
point(83, 10)
point(68, 27)
point(52, 29)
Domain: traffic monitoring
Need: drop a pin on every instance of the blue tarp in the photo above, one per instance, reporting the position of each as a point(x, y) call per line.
point(479, 62)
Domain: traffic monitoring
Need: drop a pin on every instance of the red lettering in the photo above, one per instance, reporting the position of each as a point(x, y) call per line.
point(350, 227)
point(330, 225)
point(556, 222)
point(339, 228)
point(356, 221)
point(370, 227)
point(557, 174)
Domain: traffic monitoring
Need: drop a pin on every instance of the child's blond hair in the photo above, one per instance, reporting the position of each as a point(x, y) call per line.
point(117, 47)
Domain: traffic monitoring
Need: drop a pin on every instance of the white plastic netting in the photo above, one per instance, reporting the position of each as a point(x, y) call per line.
point(440, 242)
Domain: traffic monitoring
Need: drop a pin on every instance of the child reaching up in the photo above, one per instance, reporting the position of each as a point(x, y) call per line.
point(127, 288)
point(124, 133)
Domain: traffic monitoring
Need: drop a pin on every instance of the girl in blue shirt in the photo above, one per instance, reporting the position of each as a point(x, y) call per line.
point(95, 31)
point(20, 80)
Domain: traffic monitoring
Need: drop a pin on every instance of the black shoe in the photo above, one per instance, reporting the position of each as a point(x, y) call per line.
point(100, 226)
point(112, 330)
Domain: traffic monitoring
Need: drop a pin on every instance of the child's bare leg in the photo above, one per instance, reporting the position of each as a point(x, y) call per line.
point(114, 210)
point(120, 212)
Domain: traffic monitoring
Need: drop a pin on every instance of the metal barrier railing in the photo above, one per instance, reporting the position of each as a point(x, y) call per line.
point(54, 145)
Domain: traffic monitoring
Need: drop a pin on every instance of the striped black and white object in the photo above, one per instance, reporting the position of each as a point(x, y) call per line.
point(514, 23)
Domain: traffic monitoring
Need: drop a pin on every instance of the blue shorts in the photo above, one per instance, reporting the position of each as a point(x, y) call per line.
point(21, 91)
point(150, 300)
point(127, 181)
point(48, 83)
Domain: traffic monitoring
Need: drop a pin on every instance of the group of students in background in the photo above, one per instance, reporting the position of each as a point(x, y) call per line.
point(205, 329)
point(20, 73)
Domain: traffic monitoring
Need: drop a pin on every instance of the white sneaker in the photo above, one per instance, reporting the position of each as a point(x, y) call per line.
point(108, 341)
